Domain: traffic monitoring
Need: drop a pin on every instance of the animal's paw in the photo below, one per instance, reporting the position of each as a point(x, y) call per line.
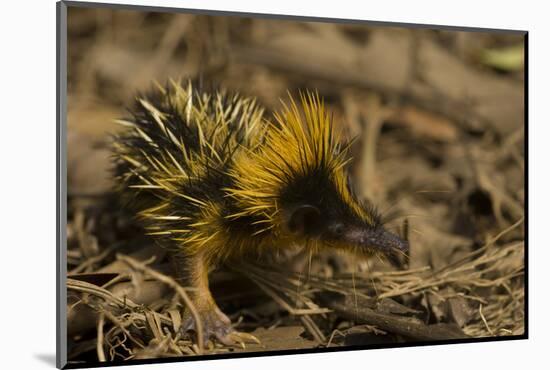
point(216, 326)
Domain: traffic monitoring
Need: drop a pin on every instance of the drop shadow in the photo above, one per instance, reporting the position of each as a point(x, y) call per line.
point(47, 358)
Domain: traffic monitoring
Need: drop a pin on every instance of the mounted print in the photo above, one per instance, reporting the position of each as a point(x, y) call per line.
point(233, 185)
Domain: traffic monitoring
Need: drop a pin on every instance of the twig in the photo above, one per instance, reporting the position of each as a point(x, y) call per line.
point(334, 332)
point(99, 346)
point(174, 285)
point(313, 329)
point(122, 327)
point(91, 261)
point(406, 326)
point(485, 320)
point(376, 115)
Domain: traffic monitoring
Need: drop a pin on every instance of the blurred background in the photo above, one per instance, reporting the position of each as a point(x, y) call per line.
point(439, 121)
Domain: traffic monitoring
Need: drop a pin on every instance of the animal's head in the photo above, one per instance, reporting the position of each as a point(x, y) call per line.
point(296, 184)
point(334, 217)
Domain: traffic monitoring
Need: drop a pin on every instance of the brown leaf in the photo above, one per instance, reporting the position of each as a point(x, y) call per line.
point(426, 124)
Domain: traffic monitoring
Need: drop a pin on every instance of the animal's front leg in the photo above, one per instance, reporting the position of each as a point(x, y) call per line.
point(215, 324)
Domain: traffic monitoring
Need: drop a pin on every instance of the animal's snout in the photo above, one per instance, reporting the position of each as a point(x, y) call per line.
point(388, 242)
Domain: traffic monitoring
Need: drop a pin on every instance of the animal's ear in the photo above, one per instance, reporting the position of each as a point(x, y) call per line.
point(305, 219)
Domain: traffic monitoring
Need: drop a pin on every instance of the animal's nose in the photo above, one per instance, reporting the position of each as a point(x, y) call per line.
point(389, 241)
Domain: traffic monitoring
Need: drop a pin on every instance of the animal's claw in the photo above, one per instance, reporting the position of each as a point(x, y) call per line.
point(216, 326)
point(239, 338)
point(248, 337)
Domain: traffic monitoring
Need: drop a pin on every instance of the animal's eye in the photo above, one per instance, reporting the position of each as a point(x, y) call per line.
point(339, 229)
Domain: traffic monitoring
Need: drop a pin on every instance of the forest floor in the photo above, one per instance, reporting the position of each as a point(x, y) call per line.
point(439, 117)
